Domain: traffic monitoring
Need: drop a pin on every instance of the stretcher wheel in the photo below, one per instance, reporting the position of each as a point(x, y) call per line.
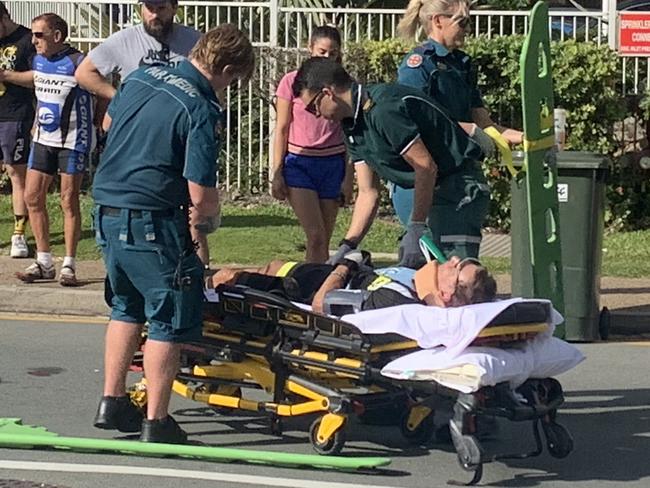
point(422, 433)
point(558, 440)
point(380, 417)
point(604, 321)
point(331, 446)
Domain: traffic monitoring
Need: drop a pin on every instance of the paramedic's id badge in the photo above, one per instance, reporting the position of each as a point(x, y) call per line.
point(414, 61)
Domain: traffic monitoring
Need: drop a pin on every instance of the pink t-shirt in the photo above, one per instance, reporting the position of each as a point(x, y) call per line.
point(309, 135)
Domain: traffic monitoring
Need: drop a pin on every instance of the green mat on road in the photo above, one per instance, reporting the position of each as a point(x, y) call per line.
point(13, 434)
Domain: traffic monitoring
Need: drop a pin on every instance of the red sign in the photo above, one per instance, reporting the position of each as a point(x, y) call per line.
point(634, 34)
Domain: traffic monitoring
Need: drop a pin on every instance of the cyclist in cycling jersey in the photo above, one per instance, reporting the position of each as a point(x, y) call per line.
point(454, 283)
point(63, 137)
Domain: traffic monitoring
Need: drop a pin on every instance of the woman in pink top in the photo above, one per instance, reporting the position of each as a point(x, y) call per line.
point(309, 156)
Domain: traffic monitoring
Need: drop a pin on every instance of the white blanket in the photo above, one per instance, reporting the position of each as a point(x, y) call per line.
point(445, 335)
point(455, 328)
point(541, 357)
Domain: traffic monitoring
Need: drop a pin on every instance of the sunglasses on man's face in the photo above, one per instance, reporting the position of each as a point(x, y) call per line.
point(40, 35)
point(465, 262)
point(313, 107)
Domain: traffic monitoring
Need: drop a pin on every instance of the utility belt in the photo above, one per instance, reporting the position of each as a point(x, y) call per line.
point(178, 215)
point(138, 214)
point(151, 222)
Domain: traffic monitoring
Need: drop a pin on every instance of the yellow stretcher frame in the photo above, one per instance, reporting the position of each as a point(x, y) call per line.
point(314, 372)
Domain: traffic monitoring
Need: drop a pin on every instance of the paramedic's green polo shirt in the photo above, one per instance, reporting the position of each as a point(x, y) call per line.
point(389, 118)
point(164, 132)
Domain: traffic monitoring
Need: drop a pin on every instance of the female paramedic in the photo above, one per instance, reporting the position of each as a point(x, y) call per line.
point(441, 70)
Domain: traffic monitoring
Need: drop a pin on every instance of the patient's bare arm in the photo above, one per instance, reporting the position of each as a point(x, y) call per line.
point(336, 280)
point(228, 276)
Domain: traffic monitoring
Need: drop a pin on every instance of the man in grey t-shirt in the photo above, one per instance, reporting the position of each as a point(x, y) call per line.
point(157, 40)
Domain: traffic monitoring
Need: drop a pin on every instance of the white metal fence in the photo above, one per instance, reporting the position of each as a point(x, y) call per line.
point(276, 28)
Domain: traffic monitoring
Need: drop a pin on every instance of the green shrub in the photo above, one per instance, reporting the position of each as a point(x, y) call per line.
point(585, 83)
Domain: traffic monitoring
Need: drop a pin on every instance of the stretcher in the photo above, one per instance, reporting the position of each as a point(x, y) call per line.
point(323, 366)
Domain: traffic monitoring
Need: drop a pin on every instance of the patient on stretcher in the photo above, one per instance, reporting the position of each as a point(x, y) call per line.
point(454, 283)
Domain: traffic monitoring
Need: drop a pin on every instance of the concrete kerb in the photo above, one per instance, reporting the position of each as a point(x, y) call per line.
point(52, 301)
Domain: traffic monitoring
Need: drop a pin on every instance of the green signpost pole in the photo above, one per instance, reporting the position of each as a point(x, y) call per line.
point(540, 169)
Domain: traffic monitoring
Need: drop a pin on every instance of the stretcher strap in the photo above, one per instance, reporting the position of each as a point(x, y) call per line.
point(539, 144)
point(286, 268)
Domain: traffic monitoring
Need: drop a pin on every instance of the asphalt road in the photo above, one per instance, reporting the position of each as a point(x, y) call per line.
point(51, 374)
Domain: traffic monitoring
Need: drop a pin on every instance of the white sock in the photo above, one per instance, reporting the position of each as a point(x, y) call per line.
point(69, 262)
point(45, 258)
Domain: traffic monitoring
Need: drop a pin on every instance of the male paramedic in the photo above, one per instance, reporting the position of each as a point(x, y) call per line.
point(161, 157)
point(157, 40)
point(399, 134)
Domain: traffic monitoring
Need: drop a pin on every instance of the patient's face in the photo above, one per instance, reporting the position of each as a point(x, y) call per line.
point(456, 271)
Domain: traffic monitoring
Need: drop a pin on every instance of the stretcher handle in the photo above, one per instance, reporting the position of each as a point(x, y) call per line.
point(431, 251)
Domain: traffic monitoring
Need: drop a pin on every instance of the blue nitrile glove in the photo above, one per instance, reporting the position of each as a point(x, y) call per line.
point(209, 224)
point(345, 246)
point(410, 255)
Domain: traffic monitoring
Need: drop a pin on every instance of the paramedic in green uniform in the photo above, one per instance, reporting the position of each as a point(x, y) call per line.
point(440, 69)
point(398, 134)
point(160, 157)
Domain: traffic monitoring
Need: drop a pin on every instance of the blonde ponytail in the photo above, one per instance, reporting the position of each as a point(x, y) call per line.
point(419, 12)
point(408, 25)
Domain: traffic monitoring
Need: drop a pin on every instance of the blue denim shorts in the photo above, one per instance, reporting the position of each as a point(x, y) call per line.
point(322, 174)
point(152, 276)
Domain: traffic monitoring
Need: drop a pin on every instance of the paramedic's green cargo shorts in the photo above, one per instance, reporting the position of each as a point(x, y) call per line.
point(151, 277)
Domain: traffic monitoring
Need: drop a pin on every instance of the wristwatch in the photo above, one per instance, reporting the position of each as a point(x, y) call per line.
point(349, 243)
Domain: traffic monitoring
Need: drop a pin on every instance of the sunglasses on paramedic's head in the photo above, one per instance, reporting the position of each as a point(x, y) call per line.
point(461, 21)
point(313, 106)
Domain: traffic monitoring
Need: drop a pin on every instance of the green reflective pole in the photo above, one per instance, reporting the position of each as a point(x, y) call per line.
point(540, 168)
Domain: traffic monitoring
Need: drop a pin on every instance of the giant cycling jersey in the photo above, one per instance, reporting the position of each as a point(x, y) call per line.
point(64, 110)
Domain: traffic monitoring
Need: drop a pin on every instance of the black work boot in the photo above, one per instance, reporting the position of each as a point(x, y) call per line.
point(118, 413)
point(163, 430)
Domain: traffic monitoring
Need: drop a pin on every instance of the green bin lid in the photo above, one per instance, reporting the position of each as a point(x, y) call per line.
point(571, 160)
